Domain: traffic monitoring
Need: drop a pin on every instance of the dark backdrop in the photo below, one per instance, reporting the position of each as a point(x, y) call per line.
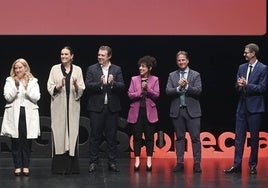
point(215, 57)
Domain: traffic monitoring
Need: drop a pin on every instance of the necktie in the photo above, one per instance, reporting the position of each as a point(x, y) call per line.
point(250, 70)
point(182, 94)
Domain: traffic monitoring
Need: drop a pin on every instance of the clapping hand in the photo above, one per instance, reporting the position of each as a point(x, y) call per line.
point(62, 84)
point(111, 79)
point(241, 81)
point(17, 81)
point(183, 83)
point(75, 84)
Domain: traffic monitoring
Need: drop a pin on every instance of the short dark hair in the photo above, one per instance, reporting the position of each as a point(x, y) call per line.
point(183, 53)
point(149, 61)
point(107, 48)
point(253, 48)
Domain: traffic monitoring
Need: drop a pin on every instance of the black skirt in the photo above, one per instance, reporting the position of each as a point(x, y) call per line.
point(65, 164)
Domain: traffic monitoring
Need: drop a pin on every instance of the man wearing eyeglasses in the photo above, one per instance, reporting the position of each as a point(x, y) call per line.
point(251, 85)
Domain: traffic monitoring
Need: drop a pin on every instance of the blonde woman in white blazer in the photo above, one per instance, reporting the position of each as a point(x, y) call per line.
point(21, 116)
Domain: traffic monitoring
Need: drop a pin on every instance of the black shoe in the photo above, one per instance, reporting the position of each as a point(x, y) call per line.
point(26, 173)
point(92, 167)
point(136, 168)
point(197, 168)
point(233, 170)
point(149, 168)
point(253, 170)
point(179, 167)
point(17, 173)
point(112, 167)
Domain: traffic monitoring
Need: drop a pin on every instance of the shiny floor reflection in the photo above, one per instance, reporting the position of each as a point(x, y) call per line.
point(161, 175)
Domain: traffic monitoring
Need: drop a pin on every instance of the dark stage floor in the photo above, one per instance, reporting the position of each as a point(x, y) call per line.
point(161, 175)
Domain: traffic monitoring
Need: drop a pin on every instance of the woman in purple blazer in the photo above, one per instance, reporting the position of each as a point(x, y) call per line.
point(143, 91)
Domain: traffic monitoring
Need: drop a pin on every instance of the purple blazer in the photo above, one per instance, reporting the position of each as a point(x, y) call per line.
point(135, 95)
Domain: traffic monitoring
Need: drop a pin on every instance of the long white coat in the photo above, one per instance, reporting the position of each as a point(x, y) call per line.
point(64, 139)
point(10, 122)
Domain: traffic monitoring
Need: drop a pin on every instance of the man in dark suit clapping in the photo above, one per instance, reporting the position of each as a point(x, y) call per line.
point(251, 85)
point(104, 84)
point(184, 87)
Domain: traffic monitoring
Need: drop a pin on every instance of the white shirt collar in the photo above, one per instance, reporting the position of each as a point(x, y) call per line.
point(106, 68)
point(253, 64)
point(185, 71)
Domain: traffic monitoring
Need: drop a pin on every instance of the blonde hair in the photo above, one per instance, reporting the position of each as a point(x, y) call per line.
point(25, 64)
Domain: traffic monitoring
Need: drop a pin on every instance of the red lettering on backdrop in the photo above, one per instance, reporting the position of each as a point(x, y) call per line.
point(209, 145)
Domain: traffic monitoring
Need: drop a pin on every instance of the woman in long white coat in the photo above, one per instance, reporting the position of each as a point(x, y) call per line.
point(21, 116)
point(65, 85)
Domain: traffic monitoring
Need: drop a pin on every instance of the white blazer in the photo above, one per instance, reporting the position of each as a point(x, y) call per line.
point(10, 122)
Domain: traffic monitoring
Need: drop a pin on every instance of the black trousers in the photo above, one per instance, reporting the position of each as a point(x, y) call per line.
point(143, 126)
point(21, 147)
point(103, 122)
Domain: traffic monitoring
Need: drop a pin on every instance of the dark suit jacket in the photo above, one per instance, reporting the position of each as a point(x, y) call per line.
point(96, 92)
point(254, 93)
point(191, 96)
